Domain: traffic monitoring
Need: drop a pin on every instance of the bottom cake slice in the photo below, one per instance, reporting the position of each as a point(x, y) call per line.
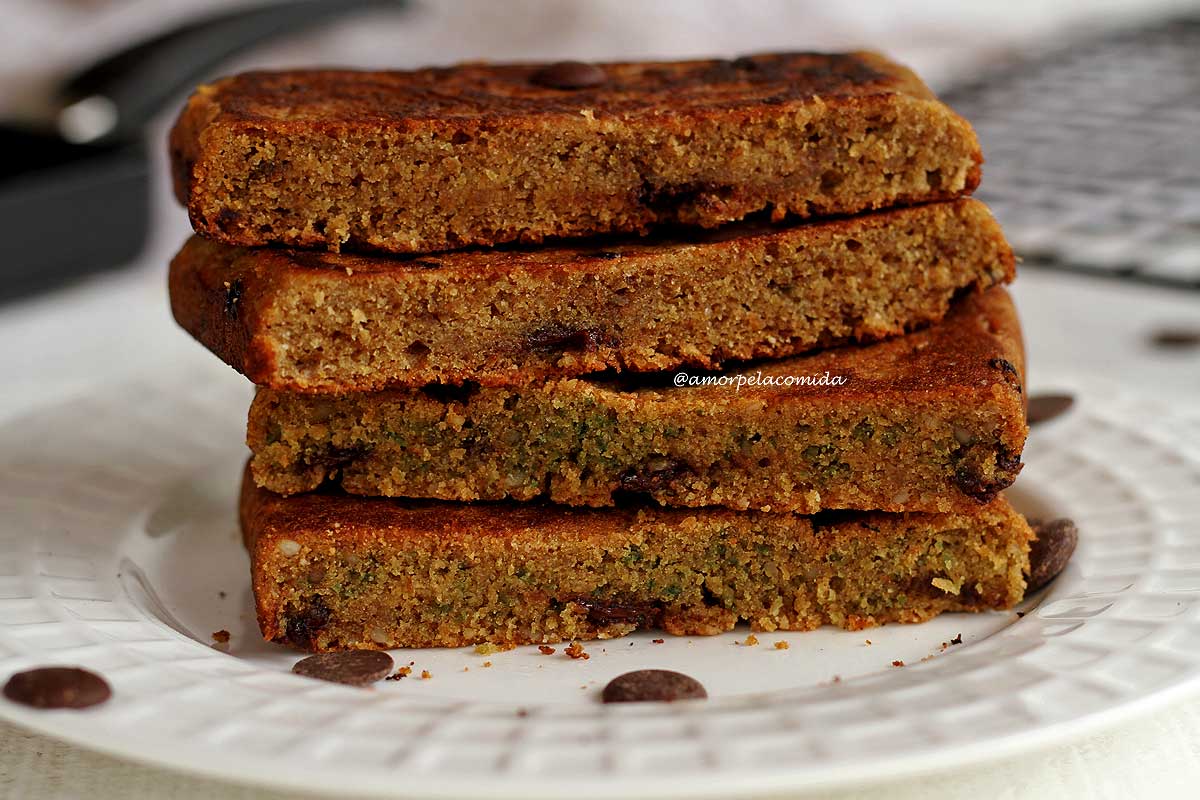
point(332, 571)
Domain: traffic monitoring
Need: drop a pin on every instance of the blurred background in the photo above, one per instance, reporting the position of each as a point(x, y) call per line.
point(1089, 112)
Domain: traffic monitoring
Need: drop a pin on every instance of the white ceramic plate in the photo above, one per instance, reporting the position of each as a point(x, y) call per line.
point(119, 551)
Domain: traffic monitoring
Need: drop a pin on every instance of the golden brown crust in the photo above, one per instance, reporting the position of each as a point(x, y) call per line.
point(477, 154)
point(932, 421)
point(502, 93)
point(332, 572)
point(325, 323)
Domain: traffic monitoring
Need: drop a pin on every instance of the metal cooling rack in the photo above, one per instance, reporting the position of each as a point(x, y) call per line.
point(1093, 153)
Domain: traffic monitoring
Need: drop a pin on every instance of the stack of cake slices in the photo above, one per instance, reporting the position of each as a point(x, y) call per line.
point(557, 352)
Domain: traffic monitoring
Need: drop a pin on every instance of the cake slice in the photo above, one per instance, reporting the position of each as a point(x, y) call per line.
point(932, 421)
point(482, 154)
point(320, 322)
point(332, 571)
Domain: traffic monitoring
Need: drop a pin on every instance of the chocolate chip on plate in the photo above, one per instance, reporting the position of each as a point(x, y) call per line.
point(1044, 407)
point(1050, 552)
point(1176, 338)
point(569, 75)
point(57, 687)
point(351, 667)
point(652, 685)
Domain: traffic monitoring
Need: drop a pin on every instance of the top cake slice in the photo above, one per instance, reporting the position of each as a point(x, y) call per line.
point(481, 154)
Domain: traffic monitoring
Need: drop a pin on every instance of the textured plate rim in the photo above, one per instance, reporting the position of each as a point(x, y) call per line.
point(148, 752)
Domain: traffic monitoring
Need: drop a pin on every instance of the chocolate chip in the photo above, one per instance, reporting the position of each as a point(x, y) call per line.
point(233, 296)
point(1176, 338)
point(1006, 366)
point(569, 75)
point(1050, 552)
point(57, 687)
point(971, 481)
point(655, 475)
point(351, 667)
point(653, 685)
point(228, 221)
point(561, 338)
point(1044, 407)
point(336, 457)
point(304, 625)
point(613, 612)
point(688, 194)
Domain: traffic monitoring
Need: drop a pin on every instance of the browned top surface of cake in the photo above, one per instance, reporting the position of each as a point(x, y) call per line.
point(478, 154)
point(493, 93)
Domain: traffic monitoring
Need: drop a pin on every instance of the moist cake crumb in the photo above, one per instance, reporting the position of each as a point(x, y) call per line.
point(512, 316)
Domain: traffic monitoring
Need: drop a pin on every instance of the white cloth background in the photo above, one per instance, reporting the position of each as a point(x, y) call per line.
point(62, 343)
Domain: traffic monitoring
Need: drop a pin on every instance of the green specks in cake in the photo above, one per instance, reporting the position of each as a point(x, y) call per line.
point(819, 453)
point(864, 431)
point(825, 462)
point(633, 555)
point(891, 435)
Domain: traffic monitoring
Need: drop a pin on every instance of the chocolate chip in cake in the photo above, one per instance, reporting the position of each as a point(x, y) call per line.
point(971, 480)
point(569, 75)
point(654, 475)
point(653, 685)
point(57, 687)
point(1050, 552)
point(1044, 407)
point(1010, 372)
point(557, 338)
point(228, 220)
point(616, 612)
point(304, 624)
point(351, 667)
point(333, 457)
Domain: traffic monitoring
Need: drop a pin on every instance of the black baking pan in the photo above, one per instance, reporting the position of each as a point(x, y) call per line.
point(74, 187)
